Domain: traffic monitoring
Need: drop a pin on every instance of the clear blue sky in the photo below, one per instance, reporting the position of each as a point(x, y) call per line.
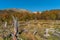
point(32, 5)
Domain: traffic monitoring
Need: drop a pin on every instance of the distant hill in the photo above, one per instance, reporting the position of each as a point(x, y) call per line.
point(23, 14)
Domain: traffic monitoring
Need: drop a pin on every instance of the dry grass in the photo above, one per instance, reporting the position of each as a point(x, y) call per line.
point(32, 26)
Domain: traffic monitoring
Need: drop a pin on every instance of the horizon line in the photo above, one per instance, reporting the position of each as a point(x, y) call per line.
point(30, 10)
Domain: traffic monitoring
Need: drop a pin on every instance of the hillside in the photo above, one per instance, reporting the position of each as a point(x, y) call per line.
point(24, 15)
point(23, 24)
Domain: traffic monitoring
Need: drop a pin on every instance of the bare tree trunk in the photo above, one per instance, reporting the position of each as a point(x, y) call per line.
point(15, 28)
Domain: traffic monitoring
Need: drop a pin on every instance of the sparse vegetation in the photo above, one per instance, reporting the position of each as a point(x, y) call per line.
point(40, 28)
point(31, 26)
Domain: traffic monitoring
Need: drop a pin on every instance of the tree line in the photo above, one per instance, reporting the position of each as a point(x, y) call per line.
point(27, 15)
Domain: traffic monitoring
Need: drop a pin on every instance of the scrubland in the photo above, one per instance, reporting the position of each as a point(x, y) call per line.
point(32, 30)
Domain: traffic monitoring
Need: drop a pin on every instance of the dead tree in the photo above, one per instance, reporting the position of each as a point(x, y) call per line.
point(46, 33)
point(5, 24)
point(15, 22)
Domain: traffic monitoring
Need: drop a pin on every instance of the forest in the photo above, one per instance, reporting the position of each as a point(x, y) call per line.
point(23, 15)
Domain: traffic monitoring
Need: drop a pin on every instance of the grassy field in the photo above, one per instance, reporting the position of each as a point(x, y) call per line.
point(33, 30)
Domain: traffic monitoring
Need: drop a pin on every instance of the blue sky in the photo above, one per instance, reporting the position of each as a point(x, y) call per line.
point(32, 5)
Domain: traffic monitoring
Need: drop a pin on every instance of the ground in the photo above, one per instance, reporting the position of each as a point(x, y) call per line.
point(34, 30)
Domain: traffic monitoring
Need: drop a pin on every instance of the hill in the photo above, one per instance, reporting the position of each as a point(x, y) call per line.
point(24, 15)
